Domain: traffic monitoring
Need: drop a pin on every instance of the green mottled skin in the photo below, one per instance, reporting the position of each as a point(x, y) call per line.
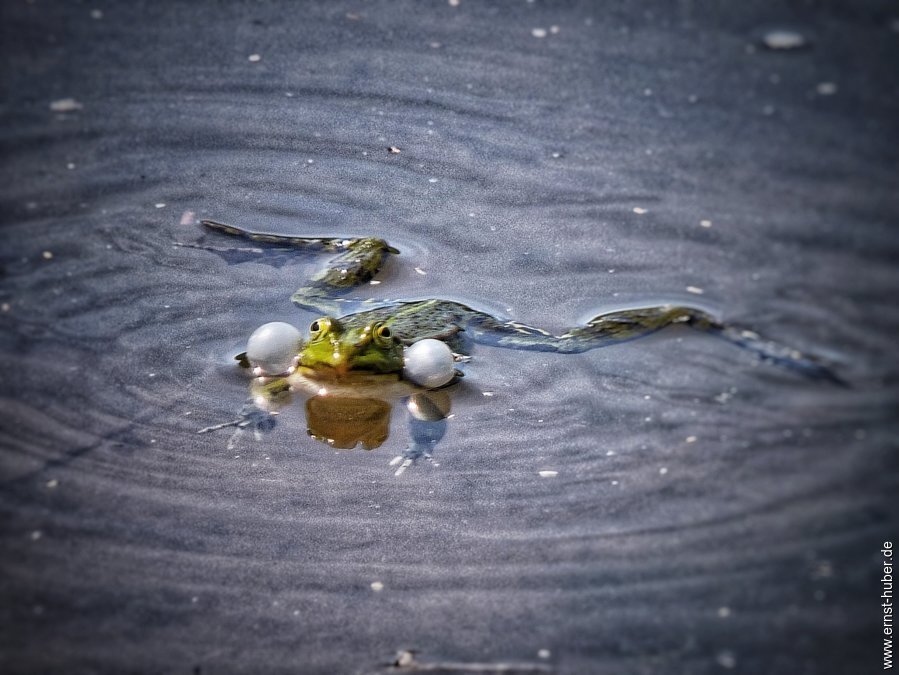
point(350, 342)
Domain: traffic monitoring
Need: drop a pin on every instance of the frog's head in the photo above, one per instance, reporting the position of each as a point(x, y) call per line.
point(371, 348)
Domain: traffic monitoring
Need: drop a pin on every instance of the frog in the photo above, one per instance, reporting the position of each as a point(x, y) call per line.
point(371, 340)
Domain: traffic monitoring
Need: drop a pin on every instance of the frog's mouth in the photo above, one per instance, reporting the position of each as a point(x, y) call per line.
point(346, 375)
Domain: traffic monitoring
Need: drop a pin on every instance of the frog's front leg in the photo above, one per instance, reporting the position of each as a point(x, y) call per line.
point(251, 417)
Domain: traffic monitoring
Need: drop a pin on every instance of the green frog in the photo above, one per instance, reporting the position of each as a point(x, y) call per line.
point(372, 340)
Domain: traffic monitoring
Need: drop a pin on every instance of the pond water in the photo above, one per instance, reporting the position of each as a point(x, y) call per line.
point(666, 505)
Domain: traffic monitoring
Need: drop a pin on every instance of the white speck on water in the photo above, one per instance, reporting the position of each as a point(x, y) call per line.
point(547, 474)
point(663, 470)
point(432, 180)
point(544, 654)
point(96, 14)
point(310, 161)
point(37, 534)
point(488, 393)
point(695, 290)
point(614, 482)
point(254, 58)
point(783, 39)
point(194, 600)
point(420, 271)
point(65, 105)
point(726, 659)
point(160, 205)
point(647, 92)
point(640, 211)
point(288, 94)
point(435, 45)
point(52, 483)
point(554, 30)
point(70, 166)
point(646, 397)
point(538, 32)
point(453, 3)
point(377, 586)
point(374, 282)
point(609, 453)
point(5, 307)
point(705, 223)
point(47, 255)
point(151, 375)
point(724, 612)
point(827, 88)
point(691, 439)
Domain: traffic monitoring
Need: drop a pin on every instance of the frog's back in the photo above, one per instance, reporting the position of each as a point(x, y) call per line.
point(417, 319)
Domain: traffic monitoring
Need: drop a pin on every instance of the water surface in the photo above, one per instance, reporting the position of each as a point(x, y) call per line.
point(709, 513)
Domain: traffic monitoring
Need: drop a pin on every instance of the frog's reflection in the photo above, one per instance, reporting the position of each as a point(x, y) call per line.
point(348, 422)
point(347, 416)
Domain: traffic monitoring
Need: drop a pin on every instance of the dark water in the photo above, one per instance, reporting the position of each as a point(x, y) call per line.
point(709, 514)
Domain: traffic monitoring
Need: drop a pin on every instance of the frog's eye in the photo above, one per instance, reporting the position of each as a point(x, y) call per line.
point(319, 328)
point(383, 334)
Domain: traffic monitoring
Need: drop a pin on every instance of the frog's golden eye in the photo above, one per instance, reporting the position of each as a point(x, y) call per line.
point(319, 328)
point(382, 334)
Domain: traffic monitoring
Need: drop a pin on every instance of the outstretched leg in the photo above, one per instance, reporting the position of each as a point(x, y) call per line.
point(355, 263)
point(630, 324)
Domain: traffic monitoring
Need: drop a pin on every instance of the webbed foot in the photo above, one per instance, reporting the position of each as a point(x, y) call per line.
point(250, 417)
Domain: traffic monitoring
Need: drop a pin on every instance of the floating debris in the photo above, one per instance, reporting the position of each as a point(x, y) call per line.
point(547, 474)
point(453, 3)
point(47, 255)
point(159, 205)
point(640, 211)
point(65, 105)
point(705, 223)
point(784, 39)
point(695, 289)
point(726, 659)
point(393, 150)
point(539, 32)
point(254, 58)
point(691, 439)
point(377, 586)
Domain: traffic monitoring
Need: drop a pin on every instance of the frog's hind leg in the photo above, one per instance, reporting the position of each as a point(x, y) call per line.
point(355, 263)
point(601, 331)
point(629, 324)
